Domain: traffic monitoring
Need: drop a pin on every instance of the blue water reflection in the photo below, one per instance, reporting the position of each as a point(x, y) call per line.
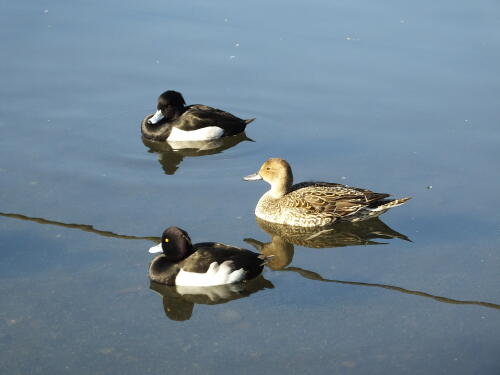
point(394, 96)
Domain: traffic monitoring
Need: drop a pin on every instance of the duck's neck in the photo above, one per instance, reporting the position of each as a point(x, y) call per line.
point(173, 113)
point(180, 251)
point(282, 186)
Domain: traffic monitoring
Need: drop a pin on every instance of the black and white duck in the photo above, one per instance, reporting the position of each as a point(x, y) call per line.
point(174, 121)
point(201, 264)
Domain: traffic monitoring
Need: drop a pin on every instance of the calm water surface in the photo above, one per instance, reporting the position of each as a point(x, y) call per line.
point(399, 96)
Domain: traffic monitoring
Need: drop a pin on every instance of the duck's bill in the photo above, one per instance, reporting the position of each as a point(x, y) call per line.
point(156, 249)
point(156, 117)
point(252, 177)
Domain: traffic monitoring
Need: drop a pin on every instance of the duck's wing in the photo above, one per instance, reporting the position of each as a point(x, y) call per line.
point(208, 253)
point(200, 116)
point(335, 200)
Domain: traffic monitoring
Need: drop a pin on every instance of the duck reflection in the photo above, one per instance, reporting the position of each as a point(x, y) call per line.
point(182, 305)
point(284, 237)
point(179, 301)
point(171, 154)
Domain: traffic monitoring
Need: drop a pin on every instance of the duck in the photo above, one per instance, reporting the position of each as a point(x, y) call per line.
point(314, 204)
point(203, 264)
point(174, 121)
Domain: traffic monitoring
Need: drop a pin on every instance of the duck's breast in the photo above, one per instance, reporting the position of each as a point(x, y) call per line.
point(163, 271)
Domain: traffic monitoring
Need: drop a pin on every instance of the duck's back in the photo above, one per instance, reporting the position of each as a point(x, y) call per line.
point(198, 116)
point(208, 252)
point(323, 194)
point(315, 204)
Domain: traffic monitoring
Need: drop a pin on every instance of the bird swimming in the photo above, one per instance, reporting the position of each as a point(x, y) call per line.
point(311, 204)
point(202, 264)
point(174, 121)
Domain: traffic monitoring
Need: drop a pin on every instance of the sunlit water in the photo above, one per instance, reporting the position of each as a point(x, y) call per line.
point(399, 97)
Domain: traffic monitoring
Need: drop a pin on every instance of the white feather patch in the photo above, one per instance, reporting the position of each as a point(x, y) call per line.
point(203, 134)
point(156, 249)
point(217, 274)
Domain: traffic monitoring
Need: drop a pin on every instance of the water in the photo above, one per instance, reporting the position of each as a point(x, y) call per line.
point(399, 97)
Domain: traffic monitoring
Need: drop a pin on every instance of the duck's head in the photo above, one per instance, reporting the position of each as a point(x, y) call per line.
point(170, 106)
point(175, 244)
point(277, 173)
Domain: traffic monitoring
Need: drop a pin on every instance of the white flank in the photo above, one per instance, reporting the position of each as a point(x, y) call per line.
point(156, 117)
point(215, 275)
point(156, 249)
point(203, 134)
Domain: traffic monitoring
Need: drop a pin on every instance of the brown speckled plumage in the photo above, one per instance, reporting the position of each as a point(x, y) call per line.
point(311, 204)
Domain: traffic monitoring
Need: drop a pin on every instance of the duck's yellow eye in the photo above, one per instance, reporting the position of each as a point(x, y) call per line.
point(166, 240)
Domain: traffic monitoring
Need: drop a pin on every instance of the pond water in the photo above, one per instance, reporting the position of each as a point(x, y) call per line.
point(399, 97)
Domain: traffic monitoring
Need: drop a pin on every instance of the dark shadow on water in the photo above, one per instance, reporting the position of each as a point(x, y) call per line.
point(178, 302)
point(171, 154)
point(84, 227)
point(317, 277)
point(283, 254)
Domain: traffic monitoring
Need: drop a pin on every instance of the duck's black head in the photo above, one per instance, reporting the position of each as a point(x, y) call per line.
point(176, 244)
point(171, 104)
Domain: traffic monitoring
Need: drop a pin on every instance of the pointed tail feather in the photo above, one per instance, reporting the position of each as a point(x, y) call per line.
point(398, 202)
point(384, 205)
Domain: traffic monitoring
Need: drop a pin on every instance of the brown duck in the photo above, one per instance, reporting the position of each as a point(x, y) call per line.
point(312, 204)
